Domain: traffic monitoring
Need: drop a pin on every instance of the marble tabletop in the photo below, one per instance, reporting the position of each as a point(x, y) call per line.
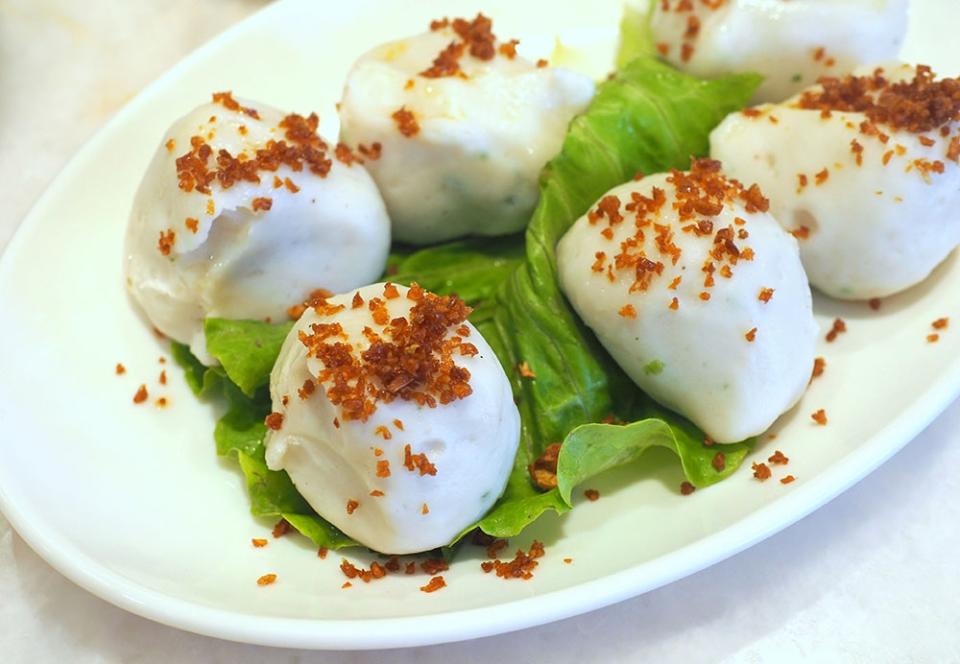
point(872, 577)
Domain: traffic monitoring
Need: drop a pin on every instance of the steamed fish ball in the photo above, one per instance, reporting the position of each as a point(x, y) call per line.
point(244, 211)
point(401, 457)
point(464, 138)
point(872, 194)
point(791, 43)
point(698, 294)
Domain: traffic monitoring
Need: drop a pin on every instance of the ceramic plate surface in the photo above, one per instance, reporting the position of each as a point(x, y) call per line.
point(132, 503)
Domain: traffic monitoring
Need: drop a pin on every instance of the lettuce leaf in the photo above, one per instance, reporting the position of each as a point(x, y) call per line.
point(193, 369)
point(246, 349)
point(472, 269)
point(591, 449)
point(636, 35)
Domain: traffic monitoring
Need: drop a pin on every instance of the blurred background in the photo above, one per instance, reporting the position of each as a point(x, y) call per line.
point(66, 66)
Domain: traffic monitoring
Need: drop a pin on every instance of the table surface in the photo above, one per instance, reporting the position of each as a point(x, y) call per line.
point(871, 577)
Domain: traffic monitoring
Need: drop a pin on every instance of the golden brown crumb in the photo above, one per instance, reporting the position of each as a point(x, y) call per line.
point(543, 471)
point(719, 461)
point(417, 462)
point(779, 458)
point(917, 105)
point(525, 371)
point(266, 579)
point(432, 566)
point(522, 565)
point(509, 49)
point(351, 571)
point(412, 358)
point(300, 147)
point(838, 328)
point(406, 122)
point(592, 495)
point(258, 542)
point(274, 421)
point(761, 471)
point(390, 291)
point(166, 241)
point(226, 99)
point(281, 528)
point(372, 151)
point(628, 311)
point(494, 548)
point(819, 364)
point(857, 149)
point(435, 584)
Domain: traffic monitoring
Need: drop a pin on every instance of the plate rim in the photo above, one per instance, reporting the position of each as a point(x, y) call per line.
point(379, 633)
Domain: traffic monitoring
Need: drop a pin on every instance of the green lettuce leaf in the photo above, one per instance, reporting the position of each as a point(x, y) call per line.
point(248, 349)
point(636, 35)
point(272, 494)
point(472, 269)
point(591, 449)
point(193, 369)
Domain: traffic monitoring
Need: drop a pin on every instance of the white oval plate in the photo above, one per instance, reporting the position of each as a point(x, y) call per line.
point(132, 503)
